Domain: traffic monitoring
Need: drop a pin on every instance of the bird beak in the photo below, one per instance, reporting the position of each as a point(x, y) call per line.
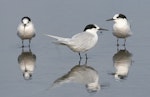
point(24, 25)
point(110, 19)
point(111, 73)
point(103, 29)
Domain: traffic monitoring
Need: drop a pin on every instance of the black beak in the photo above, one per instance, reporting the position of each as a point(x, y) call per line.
point(111, 73)
point(103, 29)
point(24, 25)
point(110, 19)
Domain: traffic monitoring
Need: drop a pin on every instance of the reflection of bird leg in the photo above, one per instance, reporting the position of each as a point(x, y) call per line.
point(22, 49)
point(29, 42)
point(124, 42)
point(117, 48)
point(86, 61)
point(125, 48)
point(80, 61)
point(30, 49)
point(117, 41)
point(86, 56)
point(22, 44)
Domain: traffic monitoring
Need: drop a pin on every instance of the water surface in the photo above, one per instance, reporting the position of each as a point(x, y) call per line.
point(50, 62)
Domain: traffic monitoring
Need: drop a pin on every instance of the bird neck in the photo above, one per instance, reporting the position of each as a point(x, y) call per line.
point(121, 21)
point(92, 31)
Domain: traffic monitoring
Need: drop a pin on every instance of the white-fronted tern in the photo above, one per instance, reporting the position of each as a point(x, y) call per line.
point(26, 30)
point(121, 27)
point(81, 42)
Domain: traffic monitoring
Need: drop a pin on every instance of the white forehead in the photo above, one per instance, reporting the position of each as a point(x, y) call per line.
point(115, 16)
point(25, 20)
point(96, 26)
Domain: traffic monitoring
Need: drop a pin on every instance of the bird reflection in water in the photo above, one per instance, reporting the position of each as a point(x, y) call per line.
point(27, 61)
point(122, 60)
point(82, 74)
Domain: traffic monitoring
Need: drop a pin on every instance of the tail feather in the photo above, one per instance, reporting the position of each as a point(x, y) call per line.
point(60, 40)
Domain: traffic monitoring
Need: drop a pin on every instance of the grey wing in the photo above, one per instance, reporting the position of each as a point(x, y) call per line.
point(82, 39)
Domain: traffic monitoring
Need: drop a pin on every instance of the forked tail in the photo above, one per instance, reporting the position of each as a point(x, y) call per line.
point(60, 40)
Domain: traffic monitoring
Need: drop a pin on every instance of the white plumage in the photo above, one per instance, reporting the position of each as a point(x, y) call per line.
point(83, 41)
point(26, 30)
point(121, 27)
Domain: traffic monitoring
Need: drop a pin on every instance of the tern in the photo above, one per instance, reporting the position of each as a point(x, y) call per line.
point(81, 42)
point(121, 27)
point(26, 30)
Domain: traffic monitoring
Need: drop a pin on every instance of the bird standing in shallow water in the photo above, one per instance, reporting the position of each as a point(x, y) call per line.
point(81, 42)
point(121, 27)
point(26, 30)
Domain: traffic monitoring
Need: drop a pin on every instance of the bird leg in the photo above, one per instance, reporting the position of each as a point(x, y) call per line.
point(80, 61)
point(86, 61)
point(80, 55)
point(86, 56)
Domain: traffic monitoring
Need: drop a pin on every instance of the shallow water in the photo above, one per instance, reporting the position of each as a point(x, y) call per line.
point(50, 61)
